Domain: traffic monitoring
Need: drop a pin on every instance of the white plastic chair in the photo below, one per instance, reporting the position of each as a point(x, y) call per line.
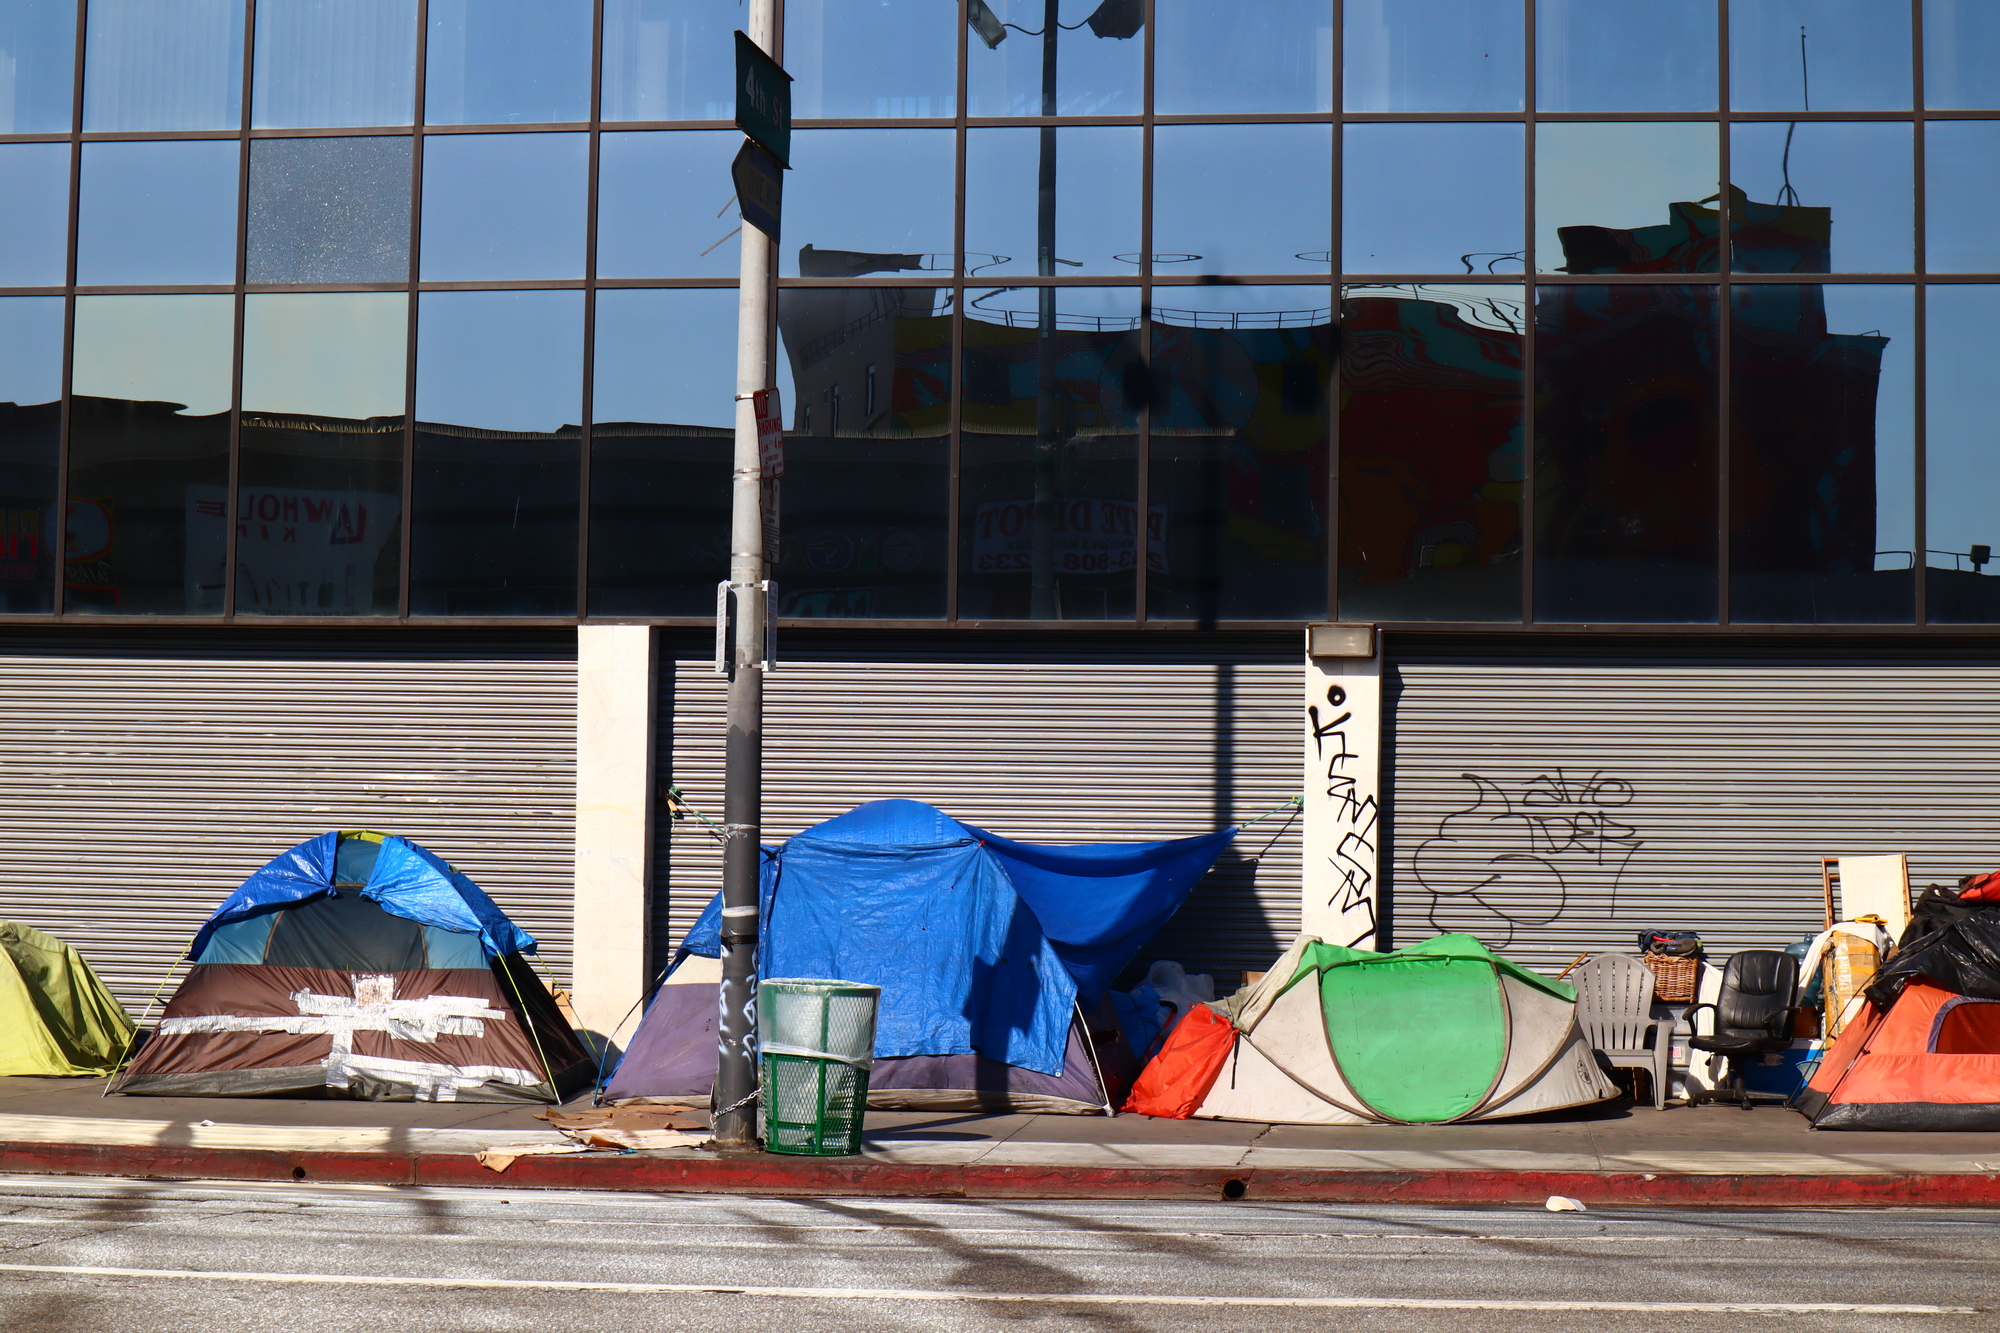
point(1614, 1007)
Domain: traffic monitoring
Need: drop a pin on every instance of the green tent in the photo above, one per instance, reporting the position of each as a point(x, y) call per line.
point(1439, 1032)
point(55, 1015)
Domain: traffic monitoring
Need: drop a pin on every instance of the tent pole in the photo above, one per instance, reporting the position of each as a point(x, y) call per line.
point(743, 776)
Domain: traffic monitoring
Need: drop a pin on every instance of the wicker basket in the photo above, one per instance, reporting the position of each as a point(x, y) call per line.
point(1673, 978)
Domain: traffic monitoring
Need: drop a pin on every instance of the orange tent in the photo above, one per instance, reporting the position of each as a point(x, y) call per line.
point(1930, 1061)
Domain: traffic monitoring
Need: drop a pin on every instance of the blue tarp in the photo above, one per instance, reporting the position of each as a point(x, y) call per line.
point(980, 944)
point(406, 880)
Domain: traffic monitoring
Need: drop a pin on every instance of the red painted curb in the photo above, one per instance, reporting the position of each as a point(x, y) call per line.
point(764, 1174)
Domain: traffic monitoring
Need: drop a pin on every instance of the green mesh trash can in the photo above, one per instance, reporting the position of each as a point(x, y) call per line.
point(817, 1039)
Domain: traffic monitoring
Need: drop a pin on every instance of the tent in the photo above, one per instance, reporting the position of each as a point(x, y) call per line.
point(55, 1015)
point(1931, 1060)
point(995, 959)
point(1440, 1032)
point(360, 965)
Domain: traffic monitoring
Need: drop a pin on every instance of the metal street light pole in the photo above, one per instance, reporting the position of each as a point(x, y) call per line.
point(743, 754)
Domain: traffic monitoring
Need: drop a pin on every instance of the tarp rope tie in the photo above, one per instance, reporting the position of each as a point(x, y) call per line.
point(680, 810)
point(528, 1022)
point(1296, 803)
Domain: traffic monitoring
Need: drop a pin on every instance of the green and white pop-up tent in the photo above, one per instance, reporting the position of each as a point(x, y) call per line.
point(1440, 1032)
point(55, 1015)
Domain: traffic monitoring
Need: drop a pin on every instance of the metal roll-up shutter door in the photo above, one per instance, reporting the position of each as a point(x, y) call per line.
point(144, 775)
point(1077, 740)
point(1559, 799)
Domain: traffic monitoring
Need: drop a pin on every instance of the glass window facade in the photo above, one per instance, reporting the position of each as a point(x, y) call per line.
point(1480, 312)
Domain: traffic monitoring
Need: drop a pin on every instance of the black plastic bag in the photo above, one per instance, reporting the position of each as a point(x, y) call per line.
point(1673, 943)
point(1953, 944)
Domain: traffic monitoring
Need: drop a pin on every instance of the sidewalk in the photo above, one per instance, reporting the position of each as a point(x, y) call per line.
point(1619, 1154)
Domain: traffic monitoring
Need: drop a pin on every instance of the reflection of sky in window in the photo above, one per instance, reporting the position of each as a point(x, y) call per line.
point(689, 334)
point(38, 46)
point(170, 349)
point(1274, 56)
point(1095, 76)
point(1273, 307)
point(876, 191)
point(1593, 56)
point(325, 354)
point(1961, 55)
point(1860, 169)
point(1962, 214)
point(157, 212)
point(31, 333)
point(505, 206)
point(1434, 55)
point(34, 213)
point(1106, 308)
point(891, 58)
point(1857, 55)
point(1433, 199)
point(507, 62)
point(1615, 175)
point(1961, 439)
point(320, 64)
point(501, 360)
point(163, 65)
point(1242, 198)
point(663, 198)
point(670, 59)
point(1098, 190)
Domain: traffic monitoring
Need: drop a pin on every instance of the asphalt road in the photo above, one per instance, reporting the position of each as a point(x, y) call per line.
point(131, 1257)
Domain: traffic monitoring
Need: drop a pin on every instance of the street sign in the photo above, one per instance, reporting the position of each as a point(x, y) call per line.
point(760, 187)
point(770, 434)
point(763, 99)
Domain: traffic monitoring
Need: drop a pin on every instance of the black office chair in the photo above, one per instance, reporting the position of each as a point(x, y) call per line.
point(1753, 1014)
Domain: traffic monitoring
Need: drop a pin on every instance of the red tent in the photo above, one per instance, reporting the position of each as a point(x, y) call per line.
point(1930, 1061)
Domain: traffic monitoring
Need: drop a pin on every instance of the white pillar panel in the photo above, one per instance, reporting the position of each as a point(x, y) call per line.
point(1340, 869)
point(614, 797)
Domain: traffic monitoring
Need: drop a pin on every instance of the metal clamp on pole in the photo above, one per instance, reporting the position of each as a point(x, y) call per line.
point(722, 628)
point(739, 925)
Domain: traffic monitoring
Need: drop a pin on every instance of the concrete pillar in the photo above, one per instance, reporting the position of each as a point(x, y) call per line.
point(614, 825)
point(1341, 873)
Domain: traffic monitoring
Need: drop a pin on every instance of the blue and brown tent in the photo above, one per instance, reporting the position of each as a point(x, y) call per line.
point(360, 965)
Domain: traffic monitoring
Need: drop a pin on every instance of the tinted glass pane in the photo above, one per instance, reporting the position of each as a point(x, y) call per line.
point(1430, 453)
point(1853, 55)
point(38, 43)
point(34, 213)
point(157, 212)
point(1275, 56)
point(1236, 502)
point(1961, 55)
point(1962, 214)
point(1433, 199)
point(320, 481)
point(1049, 484)
point(1434, 55)
point(1823, 197)
point(866, 376)
point(1008, 60)
point(1592, 56)
point(504, 206)
point(1625, 453)
point(1625, 198)
point(1962, 486)
point(670, 59)
point(163, 65)
point(660, 451)
point(335, 62)
point(1242, 198)
point(1091, 215)
point(665, 206)
point(902, 223)
point(507, 62)
point(499, 395)
point(31, 333)
point(149, 455)
point(891, 58)
point(1822, 454)
point(329, 210)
